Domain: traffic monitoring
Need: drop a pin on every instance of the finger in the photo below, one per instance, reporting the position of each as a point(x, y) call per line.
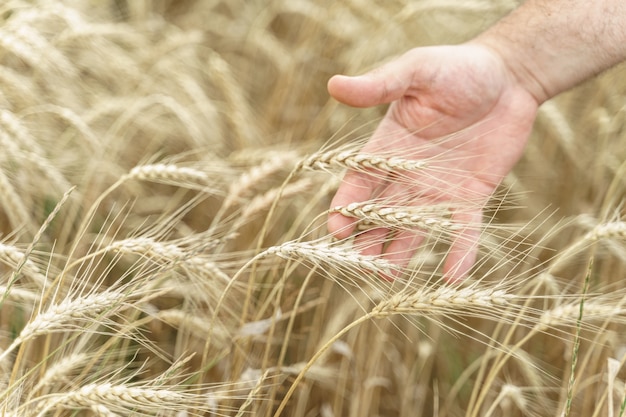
point(380, 86)
point(355, 187)
point(464, 249)
point(359, 186)
point(370, 243)
point(402, 249)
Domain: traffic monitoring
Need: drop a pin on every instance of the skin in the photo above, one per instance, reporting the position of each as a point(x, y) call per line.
point(483, 96)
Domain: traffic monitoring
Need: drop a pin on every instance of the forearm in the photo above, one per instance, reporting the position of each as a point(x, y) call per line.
point(552, 45)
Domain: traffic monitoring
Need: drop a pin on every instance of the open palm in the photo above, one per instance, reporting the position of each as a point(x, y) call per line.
point(464, 94)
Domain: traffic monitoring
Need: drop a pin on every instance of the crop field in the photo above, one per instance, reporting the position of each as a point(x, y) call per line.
point(166, 172)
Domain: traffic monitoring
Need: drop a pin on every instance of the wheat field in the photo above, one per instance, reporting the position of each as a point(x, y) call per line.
point(166, 170)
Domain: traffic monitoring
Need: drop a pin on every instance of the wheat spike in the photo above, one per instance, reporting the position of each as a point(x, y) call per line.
point(610, 230)
point(443, 299)
point(254, 176)
point(122, 398)
point(168, 173)
point(14, 207)
point(569, 313)
point(398, 217)
point(15, 257)
point(335, 255)
point(59, 317)
point(356, 160)
point(61, 370)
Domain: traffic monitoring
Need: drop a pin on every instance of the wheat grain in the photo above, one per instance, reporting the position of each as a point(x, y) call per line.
point(205, 267)
point(509, 392)
point(147, 247)
point(169, 253)
point(102, 411)
point(602, 231)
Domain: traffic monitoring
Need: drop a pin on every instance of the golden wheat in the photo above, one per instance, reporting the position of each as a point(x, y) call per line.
point(190, 272)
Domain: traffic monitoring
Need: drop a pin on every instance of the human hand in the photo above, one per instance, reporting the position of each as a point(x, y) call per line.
point(464, 93)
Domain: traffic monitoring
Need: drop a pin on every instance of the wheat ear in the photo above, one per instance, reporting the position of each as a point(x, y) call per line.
point(444, 299)
point(125, 399)
point(398, 217)
point(325, 253)
point(14, 207)
point(169, 174)
point(60, 370)
point(603, 231)
point(254, 176)
point(15, 257)
point(60, 316)
point(356, 160)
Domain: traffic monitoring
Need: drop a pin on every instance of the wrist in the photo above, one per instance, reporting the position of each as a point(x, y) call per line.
point(549, 46)
point(520, 69)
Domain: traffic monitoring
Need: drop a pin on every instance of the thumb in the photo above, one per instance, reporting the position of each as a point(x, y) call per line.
point(380, 86)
